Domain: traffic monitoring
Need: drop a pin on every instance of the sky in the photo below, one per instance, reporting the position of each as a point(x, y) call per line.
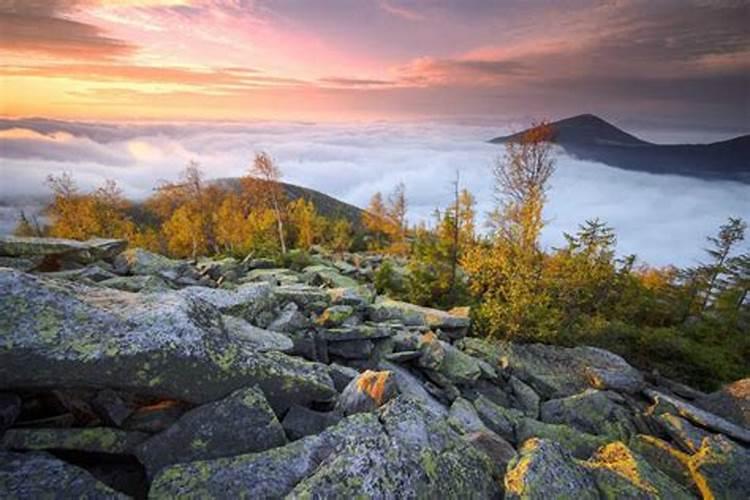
point(355, 96)
point(678, 64)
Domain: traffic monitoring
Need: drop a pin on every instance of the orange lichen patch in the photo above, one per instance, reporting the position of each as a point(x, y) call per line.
point(461, 311)
point(374, 384)
point(515, 478)
point(161, 405)
point(739, 389)
point(618, 458)
point(428, 338)
point(691, 462)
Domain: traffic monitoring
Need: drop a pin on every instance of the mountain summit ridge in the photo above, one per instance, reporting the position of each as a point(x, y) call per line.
point(590, 137)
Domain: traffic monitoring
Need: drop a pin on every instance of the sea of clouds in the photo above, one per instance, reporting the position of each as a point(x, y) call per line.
point(662, 219)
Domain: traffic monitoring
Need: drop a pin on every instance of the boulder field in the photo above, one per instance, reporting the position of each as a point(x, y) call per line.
point(126, 374)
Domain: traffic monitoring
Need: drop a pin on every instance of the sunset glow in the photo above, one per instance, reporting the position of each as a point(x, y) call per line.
point(214, 59)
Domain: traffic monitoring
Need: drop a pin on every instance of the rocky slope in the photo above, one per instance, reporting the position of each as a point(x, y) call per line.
point(127, 374)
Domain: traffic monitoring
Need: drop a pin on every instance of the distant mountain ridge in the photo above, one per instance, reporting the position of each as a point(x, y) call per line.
point(589, 137)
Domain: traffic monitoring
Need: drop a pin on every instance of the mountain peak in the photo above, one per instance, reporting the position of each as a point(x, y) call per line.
point(589, 137)
point(585, 129)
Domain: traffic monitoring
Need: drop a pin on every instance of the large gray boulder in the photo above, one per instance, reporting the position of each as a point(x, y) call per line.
point(367, 391)
point(243, 422)
point(579, 444)
point(323, 275)
point(246, 301)
point(557, 372)
point(385, 309)
point(142, 262)
point(722, 468)
point(459, 367)
point(56, 334)
point(261, 340)
point(731, 402)
point(620, 473)
point(592, 412)
point(408, 384)
point(543, 470)
point(502, 421)
point(39, 475)
point(402, 451)
point(83, 252)
point(90, 439)
point(664, 403)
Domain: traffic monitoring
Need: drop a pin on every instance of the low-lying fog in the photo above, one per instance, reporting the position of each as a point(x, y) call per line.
point(662, 219)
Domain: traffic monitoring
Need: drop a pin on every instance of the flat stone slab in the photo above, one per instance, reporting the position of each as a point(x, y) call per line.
point(55, 333)
point(40, 475)
point(385, 309)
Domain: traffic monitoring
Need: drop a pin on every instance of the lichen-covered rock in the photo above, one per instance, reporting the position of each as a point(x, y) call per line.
point(412, 387)
point(246, 301)
point(290, 320)
point(579, 444)
point(142, 262)
point(359, 332)
point(275, 277)
point(24, 264)
point(90, 273)
point(39, 475)
point(463, 417)
point(458, 367)
point(368, 391)
point(352, 349)
point(524, 397)
point(55, 333)
point(323, 275)
point(619, 473)
point(721, 468)
point(543, 470)
point(591, 411)
point(686, 435)
point(404, 452)
point(385, 309)
point(303, 295)
point(664, 403)
point(731, 402)
point(227, 269)
point(300, 422)
point(335, 316)
point(261, 340)
point(557, 372)
point(666, 458)
point(499, 451)
point(78, 251)
point(143, 283)
point(501, 420)
point(341, 375)
point(91, 439)
point(359, 296)
point(243, 422)
point(432, 352)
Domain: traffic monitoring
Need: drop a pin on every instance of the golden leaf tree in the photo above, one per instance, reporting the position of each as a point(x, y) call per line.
point(506, 273)
point(264, 189)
